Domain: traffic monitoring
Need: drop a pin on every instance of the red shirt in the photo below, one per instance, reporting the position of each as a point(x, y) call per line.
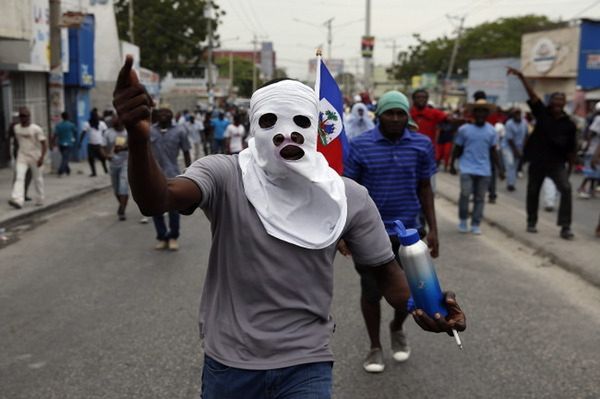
point(428, 119)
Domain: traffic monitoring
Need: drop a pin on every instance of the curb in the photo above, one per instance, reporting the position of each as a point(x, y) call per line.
point(11, 221)
point(538, 249)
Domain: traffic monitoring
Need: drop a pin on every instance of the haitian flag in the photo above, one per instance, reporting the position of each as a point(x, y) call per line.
point(332, 142)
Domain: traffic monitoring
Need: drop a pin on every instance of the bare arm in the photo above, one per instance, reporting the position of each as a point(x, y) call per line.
point(44, 150)
point(456, 153)
point(392, 283)
point(425, 193)
point(152, 191)
point(532, 96)
point(496, 160)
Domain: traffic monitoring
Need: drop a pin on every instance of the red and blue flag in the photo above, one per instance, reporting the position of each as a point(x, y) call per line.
point(332, 143)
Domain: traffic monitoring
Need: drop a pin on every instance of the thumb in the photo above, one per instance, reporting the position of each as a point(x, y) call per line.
point(127, 76)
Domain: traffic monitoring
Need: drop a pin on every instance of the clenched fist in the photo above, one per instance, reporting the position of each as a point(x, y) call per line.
point(132, 102)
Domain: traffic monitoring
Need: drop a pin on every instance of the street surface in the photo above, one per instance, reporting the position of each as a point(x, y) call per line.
point(585, 211)
point(90, 310)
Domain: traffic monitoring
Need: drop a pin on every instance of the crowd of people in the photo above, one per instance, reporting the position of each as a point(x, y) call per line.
point(269, 192)
point(484, 143)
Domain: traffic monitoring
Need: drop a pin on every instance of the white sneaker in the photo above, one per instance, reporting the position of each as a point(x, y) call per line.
point(374, 361)
point(400, 348)
point(173, 245)
point(583, 195)
point(144, 220)
point(160, 245)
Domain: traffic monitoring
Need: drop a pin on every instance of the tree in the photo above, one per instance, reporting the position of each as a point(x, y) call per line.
point(169, 32)
point(242, 74)
point(347, 83)
point(501, 38)
point(280, 73)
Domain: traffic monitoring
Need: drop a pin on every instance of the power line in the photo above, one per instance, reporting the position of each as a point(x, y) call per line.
point(241, 19)
point(255, 23)
point(594, 4)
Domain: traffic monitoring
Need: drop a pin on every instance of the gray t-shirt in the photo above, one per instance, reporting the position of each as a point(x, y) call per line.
point(114, 138)
point(266, 302)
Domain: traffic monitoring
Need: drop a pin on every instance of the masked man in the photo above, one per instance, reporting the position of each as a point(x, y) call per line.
point(277, 212)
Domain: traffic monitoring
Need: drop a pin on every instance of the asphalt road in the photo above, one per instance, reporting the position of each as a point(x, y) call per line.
point(89, 310)
point(585, 211)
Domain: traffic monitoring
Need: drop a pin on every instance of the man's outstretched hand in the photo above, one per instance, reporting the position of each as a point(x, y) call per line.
point(514, 71)
point(455, 319)
point(132, 102)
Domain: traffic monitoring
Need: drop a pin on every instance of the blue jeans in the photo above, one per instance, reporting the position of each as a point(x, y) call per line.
point(161, 229)
point(511, 163)
point(478, 185)
point(305, 381)
point(65, 153)
point(218, 146)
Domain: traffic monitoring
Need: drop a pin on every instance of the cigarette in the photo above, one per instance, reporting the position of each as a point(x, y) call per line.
point(457, 339)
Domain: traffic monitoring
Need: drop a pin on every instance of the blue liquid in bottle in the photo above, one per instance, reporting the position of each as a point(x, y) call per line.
point(420, 272)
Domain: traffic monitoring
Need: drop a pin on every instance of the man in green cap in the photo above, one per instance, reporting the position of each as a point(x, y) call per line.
point(395, 164)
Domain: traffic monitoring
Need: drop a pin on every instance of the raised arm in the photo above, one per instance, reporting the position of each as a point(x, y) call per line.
point(151, 190)
point(513, 71)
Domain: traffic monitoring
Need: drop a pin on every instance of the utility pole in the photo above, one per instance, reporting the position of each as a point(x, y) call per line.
point(453, 56)
point(209, 83)
point(55, 79)
point(230, 73)
point(130, 19)
point(329, 36)
point(393, 47)
point(254, 61)
point(367, 34)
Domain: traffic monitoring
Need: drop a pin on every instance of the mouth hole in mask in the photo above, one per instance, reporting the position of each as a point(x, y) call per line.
point(302, 121)
point(267, 120)
point(297, 138)
point(291, 153)
point(278, 139)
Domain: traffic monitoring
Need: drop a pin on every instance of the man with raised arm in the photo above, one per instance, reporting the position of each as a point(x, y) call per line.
point(550, 151)
point(277, 212)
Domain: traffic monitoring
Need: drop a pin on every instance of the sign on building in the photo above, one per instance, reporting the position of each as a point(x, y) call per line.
point(552, 53)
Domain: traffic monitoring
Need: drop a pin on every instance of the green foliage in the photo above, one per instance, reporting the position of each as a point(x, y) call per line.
point(168, 32)
point(242, 74)
point(331, 116)
point(501, 38)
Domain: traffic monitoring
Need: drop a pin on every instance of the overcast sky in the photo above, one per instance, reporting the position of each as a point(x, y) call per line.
point(294, 42)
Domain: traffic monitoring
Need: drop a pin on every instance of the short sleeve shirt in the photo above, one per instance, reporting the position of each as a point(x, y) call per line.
point(30, 142)
point(391, 171)
point(266, 303)
point(96, 135)
point(117, 138)
point(516, 132)
point(219, 126)
point(552, 139)
point(166, 144)
point(66, 133)
point(428, 120)
point(236, 136)
point(476, 142)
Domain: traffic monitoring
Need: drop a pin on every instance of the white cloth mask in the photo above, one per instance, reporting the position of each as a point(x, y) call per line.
point(298, 197)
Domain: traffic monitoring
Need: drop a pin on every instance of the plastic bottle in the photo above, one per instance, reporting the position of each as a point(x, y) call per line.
point(420, 272)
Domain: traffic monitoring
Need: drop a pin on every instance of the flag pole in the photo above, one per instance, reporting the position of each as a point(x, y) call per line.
point(318, 73)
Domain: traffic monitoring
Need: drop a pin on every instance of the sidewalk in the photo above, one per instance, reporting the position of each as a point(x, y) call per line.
point(58, 191)
point(579, 256)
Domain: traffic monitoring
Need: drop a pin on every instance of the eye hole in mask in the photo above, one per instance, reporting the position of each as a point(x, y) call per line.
point(267, 120)
point(302, 121)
